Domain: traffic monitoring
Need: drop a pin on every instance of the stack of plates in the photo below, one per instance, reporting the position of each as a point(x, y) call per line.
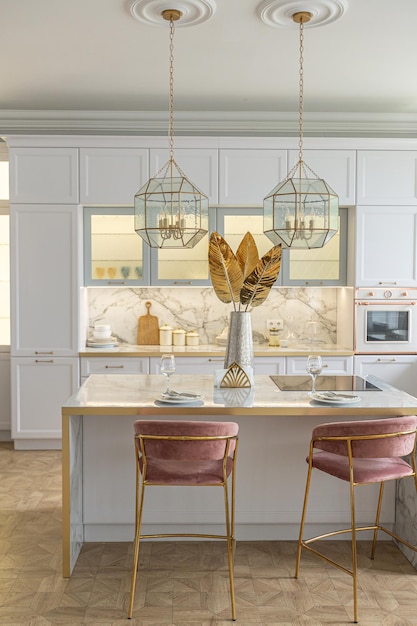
point(95, 342)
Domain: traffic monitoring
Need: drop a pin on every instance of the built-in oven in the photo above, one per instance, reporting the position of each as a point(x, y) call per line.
point(385, 321)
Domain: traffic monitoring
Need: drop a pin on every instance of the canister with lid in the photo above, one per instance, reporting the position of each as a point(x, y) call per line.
point(165, 335)
point(178, 337)
point(192, 338)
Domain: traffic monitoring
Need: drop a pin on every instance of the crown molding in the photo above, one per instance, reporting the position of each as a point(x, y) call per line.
point(210, 123)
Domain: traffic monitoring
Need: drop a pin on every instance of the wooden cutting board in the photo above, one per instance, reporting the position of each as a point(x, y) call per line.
point(148, 328)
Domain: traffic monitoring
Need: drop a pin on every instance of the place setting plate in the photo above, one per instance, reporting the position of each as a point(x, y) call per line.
point(333, 397)
point(180, 398)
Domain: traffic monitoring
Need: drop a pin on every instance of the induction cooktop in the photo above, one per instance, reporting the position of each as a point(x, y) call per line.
point(324, 383)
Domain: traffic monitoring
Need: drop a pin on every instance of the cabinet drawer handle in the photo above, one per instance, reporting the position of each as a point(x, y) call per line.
point(50, 352)
point(182, 282)
point(114, 367)
point(394, 282)
point(393, 360)
point(116, 282)
point(44, 360)
point(215, 360)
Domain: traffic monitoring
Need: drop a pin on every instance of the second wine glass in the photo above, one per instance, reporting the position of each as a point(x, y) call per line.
point(167, 367)
point(314, 367)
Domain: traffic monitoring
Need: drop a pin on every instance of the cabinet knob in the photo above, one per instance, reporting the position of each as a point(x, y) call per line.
point(371, 293)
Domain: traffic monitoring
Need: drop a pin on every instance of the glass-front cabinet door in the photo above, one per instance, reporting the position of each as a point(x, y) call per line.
point(319, 266)
point(113, 253)
point(234, 223)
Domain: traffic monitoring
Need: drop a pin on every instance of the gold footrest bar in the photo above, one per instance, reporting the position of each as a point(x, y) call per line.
point(201, 536)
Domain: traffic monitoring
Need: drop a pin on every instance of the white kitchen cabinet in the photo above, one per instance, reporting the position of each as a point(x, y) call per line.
point(332, 365)
point(337, 167)
point(113, 365)
point(112, 175)
point(399, 370)
point(40, 387)
point(113, 253)
point(272, 365)
point(386, 243)
point(45, 280)
point(386, 177)
point(247, 176)
point(198, 365)
point(200, 166)
point(5, 405)
point(44, 175)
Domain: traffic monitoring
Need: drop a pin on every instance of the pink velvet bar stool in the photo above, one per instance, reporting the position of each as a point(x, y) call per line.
point(185, 453)
point(360, 453)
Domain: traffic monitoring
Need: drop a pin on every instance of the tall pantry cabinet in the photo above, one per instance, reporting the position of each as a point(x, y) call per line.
point(45, 219)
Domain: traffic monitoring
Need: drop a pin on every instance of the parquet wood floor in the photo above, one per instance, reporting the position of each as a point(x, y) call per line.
point(180, 583)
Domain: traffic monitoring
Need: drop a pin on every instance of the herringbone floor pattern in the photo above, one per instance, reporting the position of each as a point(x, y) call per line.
point(180, 584)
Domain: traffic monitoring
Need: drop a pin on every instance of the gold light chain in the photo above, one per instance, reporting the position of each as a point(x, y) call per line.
point(301, 94)
point(171, 88)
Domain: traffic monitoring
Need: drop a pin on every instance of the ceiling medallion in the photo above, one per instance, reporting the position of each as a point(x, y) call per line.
point(192, 11)
point(279, 12)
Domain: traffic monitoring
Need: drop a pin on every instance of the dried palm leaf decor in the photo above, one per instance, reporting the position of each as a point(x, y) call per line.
point(246, 280)
point(242, 278)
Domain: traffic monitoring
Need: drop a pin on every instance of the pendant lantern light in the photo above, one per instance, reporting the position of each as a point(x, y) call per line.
point(301, 211)
point(170, 211)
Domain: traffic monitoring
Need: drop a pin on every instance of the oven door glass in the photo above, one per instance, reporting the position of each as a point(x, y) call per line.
point(388, 326)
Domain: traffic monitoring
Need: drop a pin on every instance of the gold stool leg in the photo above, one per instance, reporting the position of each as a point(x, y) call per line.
point(136, 547)
point(230, 546)
point(354, 554)
point(378, 513)
point(303, 516)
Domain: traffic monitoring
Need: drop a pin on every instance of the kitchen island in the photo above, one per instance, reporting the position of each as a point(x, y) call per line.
point(275, 429)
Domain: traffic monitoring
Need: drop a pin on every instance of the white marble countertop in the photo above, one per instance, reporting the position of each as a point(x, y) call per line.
point(260, 349)
point(138, 395)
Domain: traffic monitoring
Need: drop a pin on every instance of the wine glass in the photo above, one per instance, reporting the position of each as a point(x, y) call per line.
point(314, 367)
point(167, 367)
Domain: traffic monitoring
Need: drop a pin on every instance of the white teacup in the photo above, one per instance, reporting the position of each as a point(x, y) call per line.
point(102, 331)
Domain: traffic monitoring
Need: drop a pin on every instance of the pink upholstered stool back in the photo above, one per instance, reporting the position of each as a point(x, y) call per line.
point(374, 447)
point(184, 453)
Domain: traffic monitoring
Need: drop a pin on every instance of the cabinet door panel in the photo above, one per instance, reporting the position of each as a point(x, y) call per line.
point(387, 177)
point(45, 281)
point(397, 370)
point(386, 240)
point(39, 389)
point(114, 365)
point(112, 175)
point(45, 175)
point(200, 166)
point(337, 167)
point(332, 365)
point(247, 176)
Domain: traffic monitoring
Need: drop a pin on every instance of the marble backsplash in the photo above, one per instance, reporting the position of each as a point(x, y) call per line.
point(198, 308)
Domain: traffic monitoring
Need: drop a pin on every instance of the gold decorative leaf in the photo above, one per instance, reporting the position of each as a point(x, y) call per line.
point(235, 377)
point(257, 285)
point(225, 272)
point(247, 254)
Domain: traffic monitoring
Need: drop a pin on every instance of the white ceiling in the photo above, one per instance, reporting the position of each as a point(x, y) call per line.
point(92, 56)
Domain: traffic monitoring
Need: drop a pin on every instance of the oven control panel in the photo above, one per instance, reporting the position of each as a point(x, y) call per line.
point(386, 293)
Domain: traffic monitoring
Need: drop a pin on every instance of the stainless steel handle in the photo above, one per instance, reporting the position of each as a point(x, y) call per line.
point(50, 352)
point(44, 360)
point(393, 360)
point(114, 367)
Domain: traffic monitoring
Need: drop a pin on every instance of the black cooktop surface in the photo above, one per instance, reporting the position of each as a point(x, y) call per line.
point(324, 383)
